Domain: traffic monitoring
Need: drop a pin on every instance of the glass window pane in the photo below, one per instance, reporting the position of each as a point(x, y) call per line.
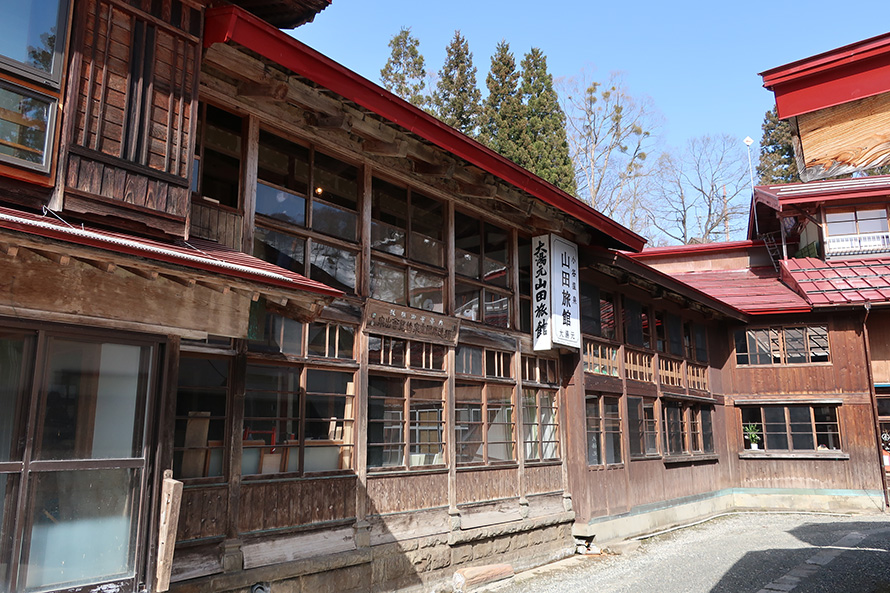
point(427, 224)
point(386, 422)
point(468, 422)
point(468, 360)
point(285, 251)
point(841, 223)
point(333, 220)
point(817, 337)
point(333, 266)
point(278, 203)
point(28, 33)
point(388, 283)
point(200, 418)
point(389, 212)
point(774, 427)
point(95, 506)
point(426, 291)
point(872, 221)
point(9, 484)
point(468, 245)
point(25, 125)
point(285, 164)
point(15, 373)
point(795, 347)
point(94, 397)
point(497, 309)
point(427, 423)
point(466, 301)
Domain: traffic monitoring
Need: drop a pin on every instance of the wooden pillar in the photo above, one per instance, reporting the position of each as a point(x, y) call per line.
point(250, 161)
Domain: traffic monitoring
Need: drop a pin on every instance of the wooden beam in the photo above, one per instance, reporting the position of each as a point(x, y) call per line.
point(398, 148)
point(186, 282)
point(469, 190)
point(275, 90)
point(147, 274)
point(253, 295)
point(214, 287)
point(105, 266)
point(61, 259)
point(9, 250)
point(445, 171)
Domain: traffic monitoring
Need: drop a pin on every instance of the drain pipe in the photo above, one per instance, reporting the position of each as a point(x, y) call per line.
point(874, 403)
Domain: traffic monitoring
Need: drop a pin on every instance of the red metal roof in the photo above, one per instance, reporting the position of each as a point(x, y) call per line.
point(855, 71)
point(231, 24)
point(816, 192)
point(839, 283)
point(196, 254)
point(652, 252)
point(756, 291)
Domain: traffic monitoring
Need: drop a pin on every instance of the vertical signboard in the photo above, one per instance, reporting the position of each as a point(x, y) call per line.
point(541, 293)
point(566, 317)
point(556, 319)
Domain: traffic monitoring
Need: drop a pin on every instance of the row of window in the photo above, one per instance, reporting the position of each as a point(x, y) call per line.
point(782, 345)
point(791, 428)
point(301, 419)
point(685, 428)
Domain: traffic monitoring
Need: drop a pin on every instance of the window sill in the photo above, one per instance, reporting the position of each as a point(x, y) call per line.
point(649, 457)
point(610, 466)
point(690, 458)
point(377, 472)
point(491, 466)
point(760, 454)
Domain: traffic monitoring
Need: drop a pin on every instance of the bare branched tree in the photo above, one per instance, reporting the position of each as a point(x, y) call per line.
point(701, 195)
point(611, 135)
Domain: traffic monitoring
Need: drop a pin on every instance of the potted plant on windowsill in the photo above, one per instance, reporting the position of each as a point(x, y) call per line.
point(752, 434)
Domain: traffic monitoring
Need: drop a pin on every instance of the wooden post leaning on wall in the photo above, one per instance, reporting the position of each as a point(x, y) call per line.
point(171, 497)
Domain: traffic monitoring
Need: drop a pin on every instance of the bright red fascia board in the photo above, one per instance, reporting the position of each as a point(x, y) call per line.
point(230, 23)
point(832, 78)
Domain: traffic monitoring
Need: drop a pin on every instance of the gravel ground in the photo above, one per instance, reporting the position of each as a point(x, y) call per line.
point(738, 553)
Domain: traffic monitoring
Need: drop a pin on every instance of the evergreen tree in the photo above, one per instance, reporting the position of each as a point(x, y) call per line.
point(544, 148)
point(777, 162)
point(502, 110)
point(404, 73)
point(456, 100)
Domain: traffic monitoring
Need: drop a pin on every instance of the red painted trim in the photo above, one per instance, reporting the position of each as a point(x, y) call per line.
point(693, 249)
point(232, 24)
point(832, 78)
point(779, 311)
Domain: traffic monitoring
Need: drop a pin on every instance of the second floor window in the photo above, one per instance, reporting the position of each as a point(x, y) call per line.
point(483, 265)
point(863, 230)
point(782, 345)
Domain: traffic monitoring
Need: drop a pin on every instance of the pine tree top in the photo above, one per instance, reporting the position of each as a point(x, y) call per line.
point(404, 73)
point(456, 100)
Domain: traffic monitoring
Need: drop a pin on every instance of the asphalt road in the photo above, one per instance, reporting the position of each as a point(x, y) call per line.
point(738, 553)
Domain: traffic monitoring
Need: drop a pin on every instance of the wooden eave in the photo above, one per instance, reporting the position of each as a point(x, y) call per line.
point(284, 14)
point(198, 263)
point(627, 265)
point(834, 192)
point(838, 76)
point(444, 153)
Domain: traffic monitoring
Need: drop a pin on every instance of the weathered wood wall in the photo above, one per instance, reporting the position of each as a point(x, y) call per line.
point(133, 92)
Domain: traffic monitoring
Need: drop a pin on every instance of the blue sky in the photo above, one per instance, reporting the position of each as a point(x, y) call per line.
point(697, 61)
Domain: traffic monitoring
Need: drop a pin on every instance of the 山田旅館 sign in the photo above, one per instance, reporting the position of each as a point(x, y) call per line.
point(556, 319)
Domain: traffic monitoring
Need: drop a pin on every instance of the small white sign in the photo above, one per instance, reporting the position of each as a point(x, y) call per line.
point(556, 318)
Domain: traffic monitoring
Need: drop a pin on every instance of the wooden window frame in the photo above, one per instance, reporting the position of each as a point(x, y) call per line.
point(778, 345)
point(602, 427)
point(643, 434)
point(754, 414)
point(539, 377)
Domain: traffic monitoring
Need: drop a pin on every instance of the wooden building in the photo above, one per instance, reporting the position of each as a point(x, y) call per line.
point(266, 326)
point(234, 267)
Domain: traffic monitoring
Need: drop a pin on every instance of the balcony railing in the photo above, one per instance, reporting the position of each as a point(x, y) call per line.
point(670, 371)
point(856, 244)
point(697, 377)
point(638, 365)
point(600, 358)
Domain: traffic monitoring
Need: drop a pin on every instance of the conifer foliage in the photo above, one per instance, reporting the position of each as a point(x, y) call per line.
point(777, 162)
point(457, 100)
point(503, 117)
point(404, 73)
point(544, 148)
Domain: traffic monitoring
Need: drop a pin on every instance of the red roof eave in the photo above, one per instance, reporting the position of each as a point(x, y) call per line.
point(231, 24)
point(694, 249)
point(832, 78)
point(208, 258)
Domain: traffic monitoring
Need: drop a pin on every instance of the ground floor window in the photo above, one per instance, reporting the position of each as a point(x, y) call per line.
point(484, 422)
point(603, 430)
point(688, 428)
point(540, 431)
point(73, 467)
point(793, 427)
point(642, 426)
point(406, 422)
